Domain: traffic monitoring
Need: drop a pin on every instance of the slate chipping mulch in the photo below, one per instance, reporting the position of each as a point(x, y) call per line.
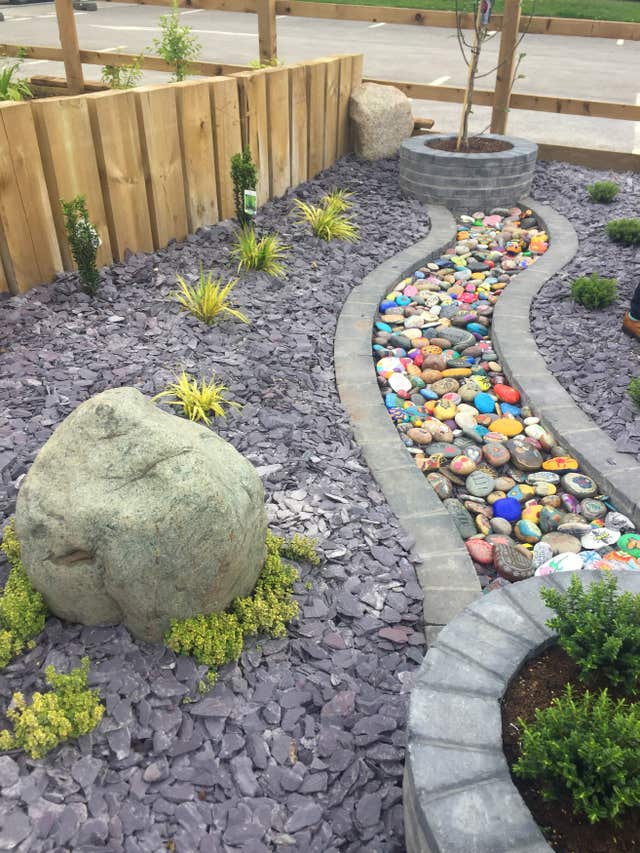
point(586, 349)
point(299, 746)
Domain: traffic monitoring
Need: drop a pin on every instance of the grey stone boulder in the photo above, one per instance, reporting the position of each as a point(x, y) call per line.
point(129, 514)
point(381, 119)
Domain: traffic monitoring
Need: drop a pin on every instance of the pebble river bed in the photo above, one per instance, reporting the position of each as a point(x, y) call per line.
point(518, 500)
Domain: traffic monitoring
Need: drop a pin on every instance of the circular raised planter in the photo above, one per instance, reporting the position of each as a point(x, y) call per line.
point(458, 794)
point(467, 181)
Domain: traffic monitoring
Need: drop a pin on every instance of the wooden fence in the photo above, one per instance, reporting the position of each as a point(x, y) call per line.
point(154, 162)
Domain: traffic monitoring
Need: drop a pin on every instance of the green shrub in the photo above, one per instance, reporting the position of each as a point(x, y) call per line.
point(177, 45)
point(634, 390)
point(329, 220)
point(12, 88)
point(123, 76)
point(84, 241)
point(603, 192)
point(588, 748)
point(67, 711)
point(625, 231)
point(208, 298)
point(244, 175)
point(265, 253)
point(22, 609)
point(301, 549)
point(599, 629)
point(219, 638)
point(593, 291)
point(198, 399)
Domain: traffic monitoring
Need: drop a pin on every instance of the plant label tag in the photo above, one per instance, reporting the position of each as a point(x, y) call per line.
point(250, 202)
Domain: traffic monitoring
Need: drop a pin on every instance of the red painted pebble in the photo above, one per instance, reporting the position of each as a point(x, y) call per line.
point(480, 550)
point(507, 394)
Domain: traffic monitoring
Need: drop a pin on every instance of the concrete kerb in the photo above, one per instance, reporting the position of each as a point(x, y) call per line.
point(458, 794)
point(446, 573)
point(616, 473)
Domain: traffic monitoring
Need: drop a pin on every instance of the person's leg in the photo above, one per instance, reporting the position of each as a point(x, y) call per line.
point(631, 321)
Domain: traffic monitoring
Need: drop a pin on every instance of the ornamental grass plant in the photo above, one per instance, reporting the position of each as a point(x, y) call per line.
point(198, 399)
point(264, 254)
point(329, 220)
point(207, 299)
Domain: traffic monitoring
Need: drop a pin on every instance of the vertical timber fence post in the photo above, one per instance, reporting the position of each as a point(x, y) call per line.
point(506, 66)
point(70, 48)
point(267, 34)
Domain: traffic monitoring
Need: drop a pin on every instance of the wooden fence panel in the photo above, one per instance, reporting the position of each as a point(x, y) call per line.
point(121, 166)
point(331, 112)
point(344, 93)
point(277, 81)
point(228, 140)
point(158, 122)
point(4, 284)
point(316, 90)
point(198, 152)
point(30, 252)
point(70, 166)
point(299, 119)
point(252, 88)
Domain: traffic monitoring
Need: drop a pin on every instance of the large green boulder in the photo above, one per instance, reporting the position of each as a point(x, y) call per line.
point(129, 514)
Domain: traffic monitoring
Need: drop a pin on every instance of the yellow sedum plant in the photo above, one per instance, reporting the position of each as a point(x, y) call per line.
point(22, 609)
point(67, 711)
point(218, 639)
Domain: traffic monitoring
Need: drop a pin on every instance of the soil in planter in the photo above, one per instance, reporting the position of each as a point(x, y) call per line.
point(538, 682)
point(476, 145)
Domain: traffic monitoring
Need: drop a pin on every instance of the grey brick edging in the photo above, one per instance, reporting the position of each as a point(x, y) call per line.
point(617, 474)
point(446, 574)
point(458, 794)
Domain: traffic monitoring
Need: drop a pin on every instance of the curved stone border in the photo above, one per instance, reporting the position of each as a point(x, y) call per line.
point(458, 794)
point(616, 473)
point(445, 572)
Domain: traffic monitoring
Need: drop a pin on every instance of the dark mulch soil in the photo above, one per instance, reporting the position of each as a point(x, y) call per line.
point(476, 145)
point(300, 746)
point(537, 684)
point(586, 350)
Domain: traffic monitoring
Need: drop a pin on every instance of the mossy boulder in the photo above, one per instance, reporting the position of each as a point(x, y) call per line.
point(129, 514)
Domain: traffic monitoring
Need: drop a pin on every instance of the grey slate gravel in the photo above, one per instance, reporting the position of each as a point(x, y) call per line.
point(287, 744)
point(586, 349)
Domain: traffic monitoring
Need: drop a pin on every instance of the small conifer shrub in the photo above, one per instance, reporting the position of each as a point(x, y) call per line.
point(603, 192)
point(634, 390)
point(593, 291)
point(84, 241)
point(244, 176)
point(625, 231)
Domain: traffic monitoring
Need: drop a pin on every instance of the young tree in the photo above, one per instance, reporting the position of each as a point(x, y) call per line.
point(177, 45)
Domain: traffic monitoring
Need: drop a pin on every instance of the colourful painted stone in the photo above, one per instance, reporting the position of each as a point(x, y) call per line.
point(527, 531)
point(484, 403)
point(420, 436)
point(531, 512)
point(542, 553)
point(543, 490)
point(445, 410)
point(568, 562)
point(600, 537)
point(507, 508)
point(507, 426)
point(562, 543)
point(524, 455)
point(480, 550)
point(592, 509)
point(618, 521)
point(521, 492)
point(462, 465)
point(461, 517)
point(506, 393)
point(479, 484)
point(496, 453)
point(483, 524)
point(440, 485)
point(630, 544)
point(579, 485)
point(560, 463)
point(543, 477)
point(512, 563)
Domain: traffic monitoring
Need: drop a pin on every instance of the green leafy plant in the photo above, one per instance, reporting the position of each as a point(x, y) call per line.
point(301, 549)
point(177, 45)
point(218, 638)
point(603, 192)
point(84, 241)
point(244, 176)
point(198, 399)
point(625, 231)
point(599, 628)
point(588, 748)
point(11, 87)
point(329, 219)
point(22, 609)
point(593, 291)
point(123, 76)
point(633, 390)
point(265, 253)
point(67, 711)
point(208, 298)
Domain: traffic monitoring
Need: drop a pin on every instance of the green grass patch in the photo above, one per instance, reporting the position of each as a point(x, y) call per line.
point(599, 10)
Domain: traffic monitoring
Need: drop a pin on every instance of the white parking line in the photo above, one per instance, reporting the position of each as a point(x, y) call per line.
point(16, 20)
point(373, 26)
point(620, 42)
point(34, 62)
point(636, 131)
point(439, 81)
point(157, 30)
point(192, 12)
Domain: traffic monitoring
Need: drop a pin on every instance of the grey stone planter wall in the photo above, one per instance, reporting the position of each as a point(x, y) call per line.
point(458, 794)
point(467, 181)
